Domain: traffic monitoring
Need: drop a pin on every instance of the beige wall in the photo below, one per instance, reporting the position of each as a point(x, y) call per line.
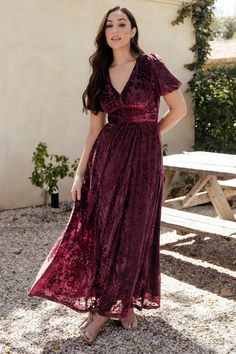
point(44, 69)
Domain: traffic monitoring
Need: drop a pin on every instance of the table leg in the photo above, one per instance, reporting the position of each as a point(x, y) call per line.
point(192, 193)
point(219, 200)
point(169, 176)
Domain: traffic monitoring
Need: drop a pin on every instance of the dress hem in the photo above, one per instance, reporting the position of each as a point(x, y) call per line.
point(90, 308)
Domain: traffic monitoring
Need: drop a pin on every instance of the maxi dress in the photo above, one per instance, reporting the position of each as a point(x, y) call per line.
point(108, 256)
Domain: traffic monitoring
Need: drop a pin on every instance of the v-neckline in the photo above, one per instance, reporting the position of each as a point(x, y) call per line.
point(127, 82)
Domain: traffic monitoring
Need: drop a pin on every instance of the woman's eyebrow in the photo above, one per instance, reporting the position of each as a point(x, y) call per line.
point(118, 19)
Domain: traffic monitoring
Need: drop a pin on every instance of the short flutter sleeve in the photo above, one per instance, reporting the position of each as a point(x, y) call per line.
point(90, 107)
point(165, 81)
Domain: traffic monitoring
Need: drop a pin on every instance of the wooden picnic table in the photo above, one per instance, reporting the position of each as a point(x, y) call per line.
point(216, 183)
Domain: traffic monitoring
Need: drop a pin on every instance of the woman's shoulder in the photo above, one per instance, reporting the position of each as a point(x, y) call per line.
point(152, 57)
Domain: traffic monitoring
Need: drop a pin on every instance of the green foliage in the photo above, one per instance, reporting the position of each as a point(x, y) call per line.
point(224, 28)
point(74, 166)
point(202, 14)
point(164, 149)
point(215, 110)
point(49, 169)
point(184, 185)
point(213, 89)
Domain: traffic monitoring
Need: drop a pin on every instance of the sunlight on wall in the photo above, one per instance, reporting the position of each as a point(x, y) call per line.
point(44, 70)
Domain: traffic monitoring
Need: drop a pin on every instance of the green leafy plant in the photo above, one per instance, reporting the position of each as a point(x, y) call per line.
point(73, 167)
point(49, 169)
point(202, 15)
point(164, 149)
point(184, 185)
point(224, 28)
point(213, 89)
point(215, 110)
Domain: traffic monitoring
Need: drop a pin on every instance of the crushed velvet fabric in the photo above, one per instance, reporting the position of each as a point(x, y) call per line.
point(108, 254)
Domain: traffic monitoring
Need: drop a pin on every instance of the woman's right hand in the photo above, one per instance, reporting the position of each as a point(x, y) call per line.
point(76, 188)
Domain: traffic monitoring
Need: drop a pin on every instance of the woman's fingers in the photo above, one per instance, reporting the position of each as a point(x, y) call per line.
point(75, 190)
point(78, 195)
point(75, 195)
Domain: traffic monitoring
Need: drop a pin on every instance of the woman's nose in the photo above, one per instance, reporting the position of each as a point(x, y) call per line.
point(114, 29)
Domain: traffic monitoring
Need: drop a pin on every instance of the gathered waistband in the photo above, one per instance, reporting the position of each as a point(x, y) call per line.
point(116, 118)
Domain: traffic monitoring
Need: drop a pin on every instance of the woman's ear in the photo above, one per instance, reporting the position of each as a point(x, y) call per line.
point(133, 31)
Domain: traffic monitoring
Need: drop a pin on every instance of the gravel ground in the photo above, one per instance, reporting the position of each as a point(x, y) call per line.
point(197, 314)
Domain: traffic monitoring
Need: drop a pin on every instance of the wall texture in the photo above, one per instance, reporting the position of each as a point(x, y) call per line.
point(44, 70)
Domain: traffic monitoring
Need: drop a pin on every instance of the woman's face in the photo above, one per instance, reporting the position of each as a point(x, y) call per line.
point(118, 30)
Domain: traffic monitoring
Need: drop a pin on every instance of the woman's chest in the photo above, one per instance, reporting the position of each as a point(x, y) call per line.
point(138, 92)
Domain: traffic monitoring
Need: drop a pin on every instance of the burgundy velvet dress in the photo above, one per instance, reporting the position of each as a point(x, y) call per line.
point(108, 254)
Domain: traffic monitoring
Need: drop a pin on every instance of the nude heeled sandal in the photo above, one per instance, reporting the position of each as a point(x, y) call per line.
point(87, 336)
point(86, 321)
point(89, 319)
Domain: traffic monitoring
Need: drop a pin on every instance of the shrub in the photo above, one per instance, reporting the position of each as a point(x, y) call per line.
point(47, 173)
point(214, 91)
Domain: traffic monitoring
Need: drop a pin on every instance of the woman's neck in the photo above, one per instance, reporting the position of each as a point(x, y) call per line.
point(120, 58)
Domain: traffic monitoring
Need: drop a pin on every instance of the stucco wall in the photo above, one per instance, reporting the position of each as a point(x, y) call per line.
point(44, 70)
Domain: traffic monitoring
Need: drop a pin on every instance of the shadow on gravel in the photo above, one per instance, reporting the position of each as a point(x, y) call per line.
point(153, 336)
point(218, 251)
point(199, 276)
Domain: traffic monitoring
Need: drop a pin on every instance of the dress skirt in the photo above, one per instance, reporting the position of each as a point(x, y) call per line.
point(108, 254)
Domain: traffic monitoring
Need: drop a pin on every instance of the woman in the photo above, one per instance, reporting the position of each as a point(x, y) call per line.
point(106, 261)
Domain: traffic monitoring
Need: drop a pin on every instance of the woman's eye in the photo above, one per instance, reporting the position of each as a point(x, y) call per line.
point(120, 25)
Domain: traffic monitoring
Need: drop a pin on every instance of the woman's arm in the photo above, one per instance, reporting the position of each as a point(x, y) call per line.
point(177, 110)
point(97, 123)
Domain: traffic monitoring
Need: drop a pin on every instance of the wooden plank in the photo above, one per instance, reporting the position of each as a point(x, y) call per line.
point(212, 158)
point(177, 203)
point(196, 188)
point(229, 193)
point(190, 167)
point(200, 198)
point(218, 199)
point(228, 183)
point(195, 223)
point(223, 165)
point(228, 159)
point(169, 176)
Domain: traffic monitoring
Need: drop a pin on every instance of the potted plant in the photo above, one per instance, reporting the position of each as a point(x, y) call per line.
point(48, 170)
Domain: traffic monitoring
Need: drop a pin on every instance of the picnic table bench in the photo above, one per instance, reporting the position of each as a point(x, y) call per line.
point(216, 184)
point(196, 223)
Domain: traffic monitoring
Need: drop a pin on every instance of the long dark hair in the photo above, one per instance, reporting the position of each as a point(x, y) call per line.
point(101, 60)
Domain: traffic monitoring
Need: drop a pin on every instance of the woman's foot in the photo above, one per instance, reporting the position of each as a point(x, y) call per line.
point(95, 323)
point(86, 321)
point(89, 319)
point(130, 320)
